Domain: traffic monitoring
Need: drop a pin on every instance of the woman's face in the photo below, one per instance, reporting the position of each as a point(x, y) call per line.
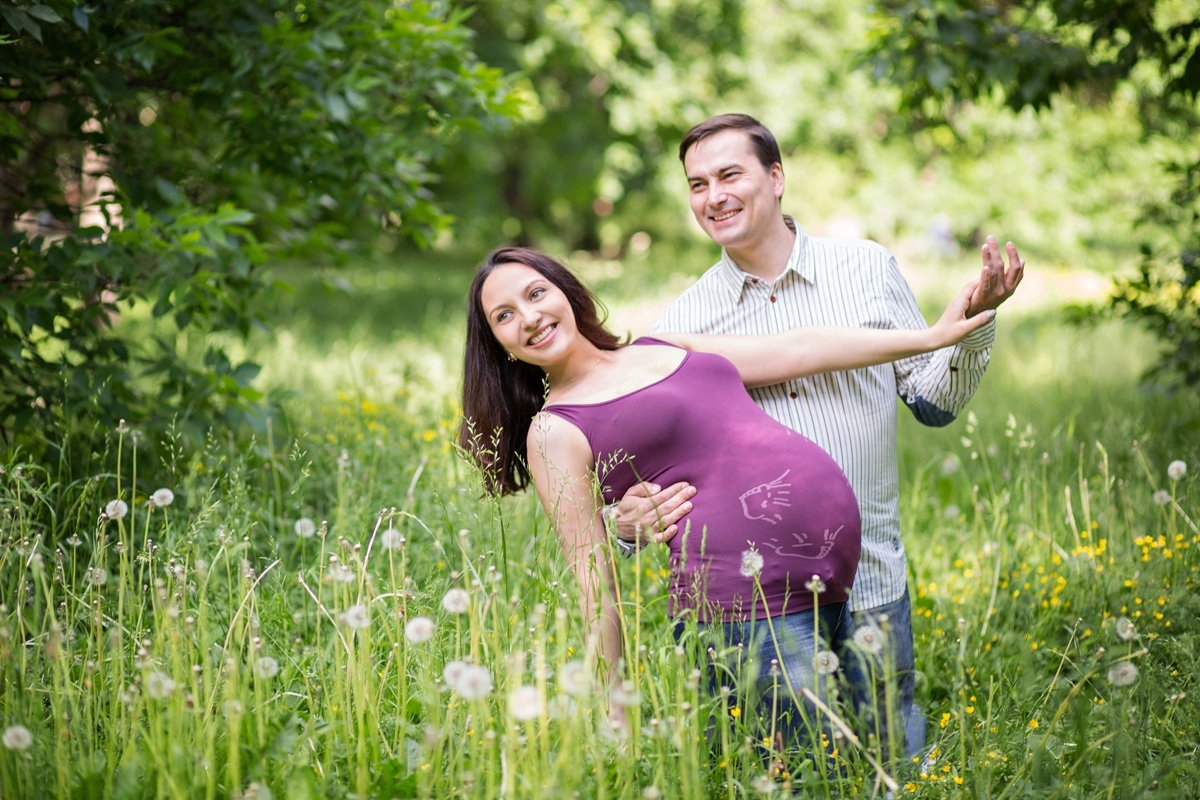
point(529, 315)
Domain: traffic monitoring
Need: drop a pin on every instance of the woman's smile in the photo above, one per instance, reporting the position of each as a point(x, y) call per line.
point(543, 334)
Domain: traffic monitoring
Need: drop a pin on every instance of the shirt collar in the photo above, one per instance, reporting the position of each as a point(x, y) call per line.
point(736, 281)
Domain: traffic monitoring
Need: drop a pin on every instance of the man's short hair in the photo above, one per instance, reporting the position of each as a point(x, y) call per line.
point(765, 146)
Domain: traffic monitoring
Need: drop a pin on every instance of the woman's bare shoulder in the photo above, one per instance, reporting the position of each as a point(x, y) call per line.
point(555, 441)
point(547, 426)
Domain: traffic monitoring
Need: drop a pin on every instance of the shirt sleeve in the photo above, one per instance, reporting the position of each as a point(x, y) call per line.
point(936, 386)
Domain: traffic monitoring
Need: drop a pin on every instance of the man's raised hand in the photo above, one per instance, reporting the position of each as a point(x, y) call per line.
point(648, 512)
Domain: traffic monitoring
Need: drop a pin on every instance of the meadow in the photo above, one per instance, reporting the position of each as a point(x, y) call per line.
point(334, 610)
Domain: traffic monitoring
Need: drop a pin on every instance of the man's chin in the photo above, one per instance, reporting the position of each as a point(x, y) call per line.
point(724, 236)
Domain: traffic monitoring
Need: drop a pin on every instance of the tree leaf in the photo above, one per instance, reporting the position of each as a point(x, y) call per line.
point(44, 13)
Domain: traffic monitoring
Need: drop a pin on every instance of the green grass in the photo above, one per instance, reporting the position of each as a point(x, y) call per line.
point(206, 649)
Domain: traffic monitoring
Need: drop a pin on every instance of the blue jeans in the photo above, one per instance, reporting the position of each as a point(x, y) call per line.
point(895, 678)
point(765, 664)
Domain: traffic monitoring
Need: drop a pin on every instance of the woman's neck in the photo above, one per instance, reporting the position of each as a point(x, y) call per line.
point(574, 371)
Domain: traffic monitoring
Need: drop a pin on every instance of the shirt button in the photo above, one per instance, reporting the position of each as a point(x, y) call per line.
point(793, 395)
point(772, 298)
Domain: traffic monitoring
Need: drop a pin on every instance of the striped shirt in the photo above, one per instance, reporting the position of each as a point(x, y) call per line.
point(852, 415)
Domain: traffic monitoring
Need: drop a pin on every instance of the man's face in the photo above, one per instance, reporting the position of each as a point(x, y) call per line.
point(734, 198)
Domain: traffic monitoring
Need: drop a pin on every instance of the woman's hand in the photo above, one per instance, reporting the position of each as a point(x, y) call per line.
point(955, 325)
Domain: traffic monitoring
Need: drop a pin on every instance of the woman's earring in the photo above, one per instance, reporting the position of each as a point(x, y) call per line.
point(511, 357)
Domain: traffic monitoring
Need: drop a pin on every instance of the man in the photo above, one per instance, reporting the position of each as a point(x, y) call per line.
point(773, 276)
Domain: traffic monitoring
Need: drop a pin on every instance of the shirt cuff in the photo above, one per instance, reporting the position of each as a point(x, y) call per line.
point(981, 338)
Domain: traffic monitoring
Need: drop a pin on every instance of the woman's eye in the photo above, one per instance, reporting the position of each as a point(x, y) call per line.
point(503, 315)
point(536, 293)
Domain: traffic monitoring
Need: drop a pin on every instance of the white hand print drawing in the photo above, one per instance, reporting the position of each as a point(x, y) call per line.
point(805, 545)
point(766, 500)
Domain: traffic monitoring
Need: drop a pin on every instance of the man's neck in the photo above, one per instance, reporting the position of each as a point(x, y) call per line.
point(767, 258)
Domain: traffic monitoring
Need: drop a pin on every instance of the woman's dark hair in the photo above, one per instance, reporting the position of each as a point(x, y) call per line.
point(500, 397)
point(765, 146)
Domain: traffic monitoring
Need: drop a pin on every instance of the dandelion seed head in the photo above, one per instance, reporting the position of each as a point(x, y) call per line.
point(305, 528)
point(357, 616)
point(159, 685)
point(17, 738)
point(162, 498)
point(869, 639)
point(525, 703)
point(339, 573)
point(625, 694)
point(266, 667)
point(575, 678)
point(391, 539)
point(419, 630)
point(96, 576)
point(452, 672)
point(1176, 470)
point(456, 601)
point(815, 585)
point(1162, 497)
point(116, 509)
point(561, 706)
point(827, 662)
point(474, 683)
point(764, 785)
point(752, 563)
point(142, 659)
point(1126, 630)
point(1123, 673)
point(951, 512)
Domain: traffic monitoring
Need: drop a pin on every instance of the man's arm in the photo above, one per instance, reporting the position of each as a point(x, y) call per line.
point(936, 387)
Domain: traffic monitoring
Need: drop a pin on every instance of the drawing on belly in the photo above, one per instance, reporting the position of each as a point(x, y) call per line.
point(767, 500)
point(804, 545)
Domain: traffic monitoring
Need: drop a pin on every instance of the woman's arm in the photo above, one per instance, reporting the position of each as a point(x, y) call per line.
point(764, 360)
point(561, 465)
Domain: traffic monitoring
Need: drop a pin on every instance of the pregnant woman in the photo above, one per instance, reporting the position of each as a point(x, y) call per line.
point(551, 396)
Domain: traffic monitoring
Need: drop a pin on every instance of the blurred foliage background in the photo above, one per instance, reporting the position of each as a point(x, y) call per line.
point(175, 176)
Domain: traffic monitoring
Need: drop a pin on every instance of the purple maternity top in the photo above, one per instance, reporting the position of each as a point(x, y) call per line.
point(763, 490)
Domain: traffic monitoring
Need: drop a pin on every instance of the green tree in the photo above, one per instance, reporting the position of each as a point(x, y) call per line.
point(154, 154)
point(613, 85)
point(942, 53)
